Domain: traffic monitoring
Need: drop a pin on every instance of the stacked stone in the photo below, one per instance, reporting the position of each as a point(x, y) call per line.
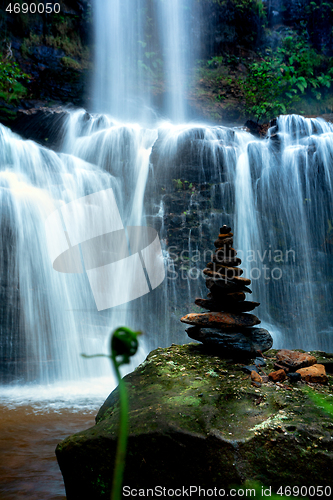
point(227, 328)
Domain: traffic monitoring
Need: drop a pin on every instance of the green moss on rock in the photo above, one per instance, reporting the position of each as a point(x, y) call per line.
point(196, 419)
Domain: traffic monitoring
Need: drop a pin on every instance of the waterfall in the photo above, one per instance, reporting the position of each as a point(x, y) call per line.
point(48, 318)
point(177, 54)
point(276, 194)
point(120, 70)
point(140, 47)
point(183, 180)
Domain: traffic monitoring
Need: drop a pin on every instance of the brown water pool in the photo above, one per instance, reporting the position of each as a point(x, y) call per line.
point(29, 433)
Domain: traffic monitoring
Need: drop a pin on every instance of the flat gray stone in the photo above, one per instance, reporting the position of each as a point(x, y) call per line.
point(247, 342)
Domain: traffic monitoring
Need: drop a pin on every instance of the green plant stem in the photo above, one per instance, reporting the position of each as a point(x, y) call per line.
point(122, 437)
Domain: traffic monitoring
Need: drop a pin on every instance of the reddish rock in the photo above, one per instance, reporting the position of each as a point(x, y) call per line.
point(294, 360)
point(220, 320)
point(241, 281)
point(224, 242)
point(225, 270)
point(225, 253)
point(255, 377)
point(225, 235)
point(278, 376)
point(315, 374)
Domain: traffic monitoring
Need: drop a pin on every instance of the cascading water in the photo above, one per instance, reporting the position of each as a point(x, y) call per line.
point(274, 192)
point(140, 44)
point(57, 317)
point(184, 180)
point(120, 79)
point(174, 17)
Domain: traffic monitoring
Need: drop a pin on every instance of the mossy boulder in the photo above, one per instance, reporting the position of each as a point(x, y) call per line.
point(195, 419)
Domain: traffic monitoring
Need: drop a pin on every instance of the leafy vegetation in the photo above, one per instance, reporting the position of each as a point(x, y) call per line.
point(293, 78)
point(12, 79)
point(279, 80)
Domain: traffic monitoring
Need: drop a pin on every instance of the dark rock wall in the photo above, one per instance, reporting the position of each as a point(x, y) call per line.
point(55, 49)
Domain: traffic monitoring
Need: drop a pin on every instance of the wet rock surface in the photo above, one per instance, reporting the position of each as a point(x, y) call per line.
point(218, 319)
point(294, 360)
point(246, 343)
point(188, 408)
point(44, 125)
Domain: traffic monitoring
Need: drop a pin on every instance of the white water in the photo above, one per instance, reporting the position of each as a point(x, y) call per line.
point(57, 319)
point(142, 47)
point(278, 201)
point(276, 196)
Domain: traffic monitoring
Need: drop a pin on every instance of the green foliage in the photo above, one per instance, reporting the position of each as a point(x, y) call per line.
point(150, 61)
point(70, 63)
point(178, 184)
point(278, 81)
point(66, 39)
point(11, 80)
point(215, 62)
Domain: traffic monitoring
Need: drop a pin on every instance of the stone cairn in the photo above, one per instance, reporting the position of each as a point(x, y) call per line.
point(227, 329)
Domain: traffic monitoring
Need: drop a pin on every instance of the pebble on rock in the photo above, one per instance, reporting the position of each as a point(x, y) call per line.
point(294, 377)
point(315, 374)
point(294, 360)
point(227, 285)
point(256, 378)
point(223, 242)
point(225, 270)
point(225, 229)
point(227, 305)
point(250, 368)
point(278, 376)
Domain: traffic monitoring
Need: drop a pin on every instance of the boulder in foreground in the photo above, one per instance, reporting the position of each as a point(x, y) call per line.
point(195, 419)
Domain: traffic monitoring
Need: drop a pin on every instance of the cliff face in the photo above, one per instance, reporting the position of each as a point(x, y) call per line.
point(54, 49)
